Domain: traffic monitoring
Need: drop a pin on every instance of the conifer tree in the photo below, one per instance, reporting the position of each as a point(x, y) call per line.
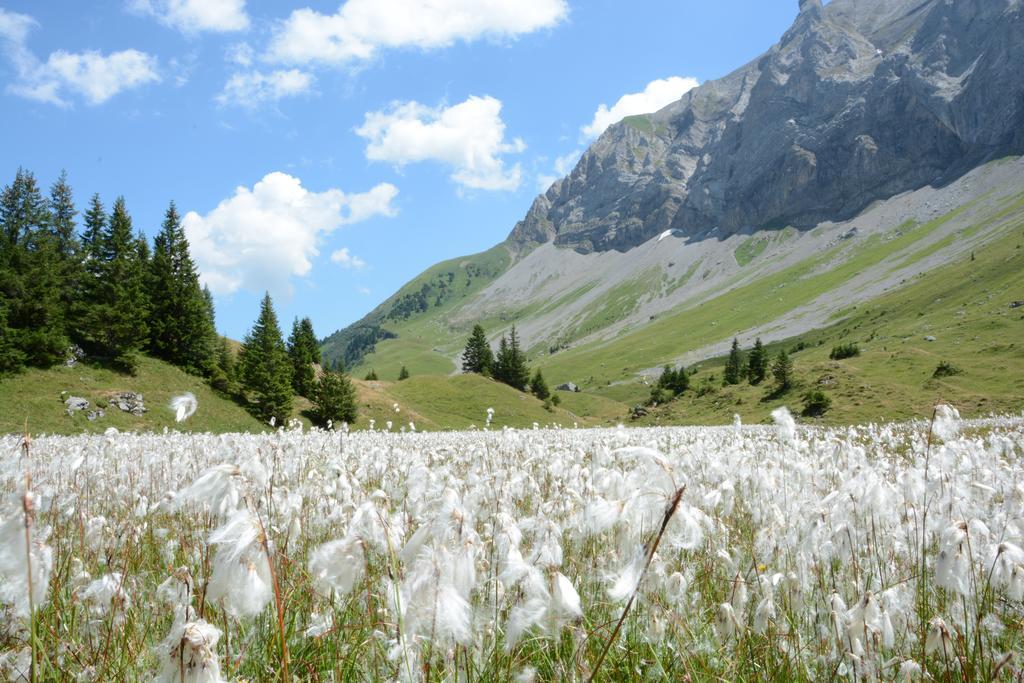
point(477, 356)
point(116, 319)
point(31, 282)
point(371, 376)
point(334, 398)
point(403, 374)
point(538, 387)
point(95, 222)
point(69, 251)
point(304, 351)
point(782, 370)
point(757, 364)
point(181, 323)
point(265, 369)
point(733, 373)
point(510, 364)
point(11, 358)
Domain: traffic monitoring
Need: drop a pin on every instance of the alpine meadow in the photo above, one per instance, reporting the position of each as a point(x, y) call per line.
point(739, 396)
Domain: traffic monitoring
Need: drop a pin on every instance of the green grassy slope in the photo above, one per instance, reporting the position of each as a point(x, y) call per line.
point(36, 395)
point(601, 366)
point(965, 306)
point(459, 402)
point(413, 313)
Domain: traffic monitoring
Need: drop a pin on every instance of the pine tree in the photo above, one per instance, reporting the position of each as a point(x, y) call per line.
point(223, 377)
point(30, 273)
point(11, 357)
point(733, 373)
point(510, 364)
point(334, 398)
point(782, 370)
point(477, 357)
point(95, 223)
point(371, 376)
point(116, 326)
point(181, 323)
point(403, 374)
point(304, 351)
point(69, 251)
point(538, 387)
point(757, 364)
point(265, 369)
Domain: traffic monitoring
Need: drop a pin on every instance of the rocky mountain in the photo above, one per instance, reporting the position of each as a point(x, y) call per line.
point(859, 101)
point(861, 152)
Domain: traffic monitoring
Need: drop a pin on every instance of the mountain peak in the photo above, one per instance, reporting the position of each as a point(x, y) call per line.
point(860, 100)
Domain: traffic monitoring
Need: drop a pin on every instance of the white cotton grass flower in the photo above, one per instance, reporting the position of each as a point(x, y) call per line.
point(946, 424)
point(177, 589)
point(786, 424)
point(318, 625)
point(241, 569)
point(184, 406)
point(911, 671)
point(189, 652)
point(726, 623)
point(107, 595)
point(628, 578)
point(217, 488)
point(939, 640)
point(336, 566)
point(16, 558)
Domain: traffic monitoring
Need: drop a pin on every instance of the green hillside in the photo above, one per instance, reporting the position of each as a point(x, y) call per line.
point(403, 329)
point(36, 395)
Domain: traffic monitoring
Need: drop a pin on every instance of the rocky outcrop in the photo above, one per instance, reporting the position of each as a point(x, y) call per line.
point(859, 101)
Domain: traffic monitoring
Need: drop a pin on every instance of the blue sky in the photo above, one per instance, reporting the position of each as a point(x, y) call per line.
point(331, 151)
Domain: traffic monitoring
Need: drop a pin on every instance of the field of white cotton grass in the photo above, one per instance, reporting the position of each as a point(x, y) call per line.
point(705, 554)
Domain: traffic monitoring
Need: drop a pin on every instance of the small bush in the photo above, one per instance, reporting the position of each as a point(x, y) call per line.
point(844, 351)
point(706, 387)
point(945, 369)
point(799, 346)
point(555, 400)
point(816, 404)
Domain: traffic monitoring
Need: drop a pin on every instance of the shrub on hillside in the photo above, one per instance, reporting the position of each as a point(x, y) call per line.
point(945, 369)
point(816, 403)
point(844, 351)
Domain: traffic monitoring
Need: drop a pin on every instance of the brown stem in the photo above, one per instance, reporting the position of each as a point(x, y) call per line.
point(670, 510)
point(279, 602)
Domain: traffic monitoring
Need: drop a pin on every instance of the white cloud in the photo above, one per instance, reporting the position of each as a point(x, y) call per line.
point(240, 54)
point(252, 88)
point(347, 260)
point(361, 27)
point(656, 95)
point(193, 16)
point(94, 76)
point(469, 137)
point(259, 239)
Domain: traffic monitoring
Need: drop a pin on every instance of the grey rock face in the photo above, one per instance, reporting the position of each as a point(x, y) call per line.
point(859, 101)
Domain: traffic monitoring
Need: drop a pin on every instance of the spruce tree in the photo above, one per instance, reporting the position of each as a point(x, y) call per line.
point(31, 278)
point(510, 364)
point(304, 351)
point(782, 370)
point(69, 251)
point(757, 364)
point(223, 377)
point(538, 387)
point(265, 369)
point(733, 373)
point(181, 323)
point(11, 357)
point(116, 326)
point(477, 357)
point(403, 374)
point(334, 398)
point(371, 376)
point(95, 222)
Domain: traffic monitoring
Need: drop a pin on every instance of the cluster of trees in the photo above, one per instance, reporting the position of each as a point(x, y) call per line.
point(106, 290)
point(756, 366)
point(272, 372)
point(508, 366)
point(102, 288)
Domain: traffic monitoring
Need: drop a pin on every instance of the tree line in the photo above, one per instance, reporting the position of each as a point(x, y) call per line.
point(508, 366)
point(105, 291)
